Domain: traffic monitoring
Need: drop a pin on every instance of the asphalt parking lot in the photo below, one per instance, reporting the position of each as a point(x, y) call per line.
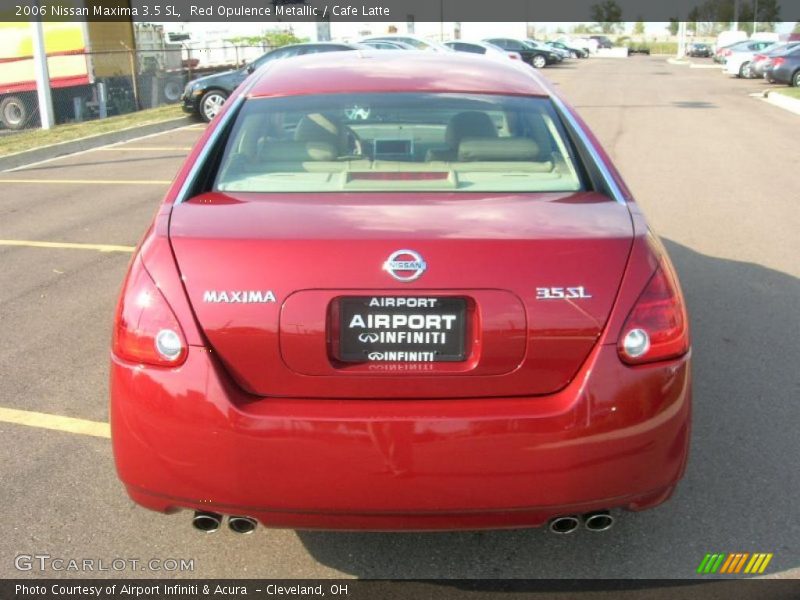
point(716, 172)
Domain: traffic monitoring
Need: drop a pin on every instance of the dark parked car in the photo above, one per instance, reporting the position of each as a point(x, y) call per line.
point(698, 50)
point(602, 41)
point(763, 60)
point(537, 57)
point(574, 51)
point(385, 45)
point(785, 68)
point(206, 95)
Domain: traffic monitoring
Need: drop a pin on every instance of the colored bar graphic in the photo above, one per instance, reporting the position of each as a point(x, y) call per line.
point(703, 563)
point(734, 563)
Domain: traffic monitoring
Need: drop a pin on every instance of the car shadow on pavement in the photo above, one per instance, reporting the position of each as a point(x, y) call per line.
point(740, 489)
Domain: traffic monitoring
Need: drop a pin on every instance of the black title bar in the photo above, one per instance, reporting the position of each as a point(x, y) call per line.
point(399, 10)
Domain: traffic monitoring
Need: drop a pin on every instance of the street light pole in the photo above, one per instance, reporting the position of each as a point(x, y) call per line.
point(755, 16)
point(42, 75)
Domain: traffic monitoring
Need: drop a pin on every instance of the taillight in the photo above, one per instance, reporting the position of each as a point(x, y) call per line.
point(777, 62)
point(145, 329)
point(657, 327)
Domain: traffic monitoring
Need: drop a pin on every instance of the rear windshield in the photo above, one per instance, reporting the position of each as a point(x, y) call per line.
point(397, 142)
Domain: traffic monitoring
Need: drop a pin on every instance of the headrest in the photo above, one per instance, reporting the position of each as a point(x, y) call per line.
point(500, 149)
point(469, 124)
point(297, 151)
point(317, 128)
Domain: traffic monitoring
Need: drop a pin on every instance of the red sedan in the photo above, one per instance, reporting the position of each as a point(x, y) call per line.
point(399, 291)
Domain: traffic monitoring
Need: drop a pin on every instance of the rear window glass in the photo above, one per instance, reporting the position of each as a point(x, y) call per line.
point(397, 142)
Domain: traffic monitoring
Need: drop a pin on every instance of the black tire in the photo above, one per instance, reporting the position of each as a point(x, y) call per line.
point(211, 103)
point(744, 71)
point(539, 61)
point(15, 112)
point(172, 89)
point(796, 79)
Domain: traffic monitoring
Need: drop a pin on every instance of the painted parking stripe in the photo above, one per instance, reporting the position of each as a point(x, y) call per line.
point(79, 152)
point(67, 245)
point(144, 148)
point(55, 422)
point(89, 181)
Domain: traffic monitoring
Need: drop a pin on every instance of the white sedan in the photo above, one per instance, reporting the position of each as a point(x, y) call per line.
point(738, 61)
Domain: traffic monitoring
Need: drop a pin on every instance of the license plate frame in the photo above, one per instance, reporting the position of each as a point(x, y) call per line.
point(372, 329)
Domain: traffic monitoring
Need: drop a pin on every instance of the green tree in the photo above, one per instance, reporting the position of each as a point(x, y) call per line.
point(768, 14)
point(638, 28)
point(694, 17)
point(274, 39)
point(796, 27)
point(607, 15)
point(582, 28)
point(673, 26)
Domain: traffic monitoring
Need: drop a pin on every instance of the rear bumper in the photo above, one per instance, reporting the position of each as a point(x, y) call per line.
point(187, 438)
point(780, 74)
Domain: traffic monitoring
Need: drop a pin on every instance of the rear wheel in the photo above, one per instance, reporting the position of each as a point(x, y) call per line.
point(173, 89)
point(14, 112)
point(796, 79)
point(539, 61)
point(744, 71)
point(211, 103)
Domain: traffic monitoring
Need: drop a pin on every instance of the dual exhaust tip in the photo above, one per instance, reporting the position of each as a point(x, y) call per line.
point(209, 522)
point(600, 520)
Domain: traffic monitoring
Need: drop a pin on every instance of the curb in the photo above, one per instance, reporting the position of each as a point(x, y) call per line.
point(781, 101)
point(19, 159)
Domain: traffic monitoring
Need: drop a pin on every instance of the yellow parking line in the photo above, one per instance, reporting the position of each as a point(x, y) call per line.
point(88, 181)
point(56, 422)
point(69, 245)
point(144, 148)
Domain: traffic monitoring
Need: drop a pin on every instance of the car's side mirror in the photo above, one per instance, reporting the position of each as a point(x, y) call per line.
point(251, 67)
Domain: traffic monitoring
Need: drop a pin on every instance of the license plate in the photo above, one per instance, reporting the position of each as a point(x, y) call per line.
point(402, 329)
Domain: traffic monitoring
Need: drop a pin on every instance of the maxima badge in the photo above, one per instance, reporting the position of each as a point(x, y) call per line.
point(405, 265)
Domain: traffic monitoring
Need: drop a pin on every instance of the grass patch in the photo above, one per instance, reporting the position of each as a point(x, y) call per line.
point(34, 138)
point(792, 92)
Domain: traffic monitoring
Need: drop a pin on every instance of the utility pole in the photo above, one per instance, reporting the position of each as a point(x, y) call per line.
point(43, 93)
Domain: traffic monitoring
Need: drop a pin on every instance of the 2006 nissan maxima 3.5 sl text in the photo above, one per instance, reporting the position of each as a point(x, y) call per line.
point(399, 291)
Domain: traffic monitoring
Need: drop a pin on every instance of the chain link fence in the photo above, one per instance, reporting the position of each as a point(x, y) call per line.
point(96, 85)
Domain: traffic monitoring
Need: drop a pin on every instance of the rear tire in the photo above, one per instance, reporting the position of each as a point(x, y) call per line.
point(15, 112)
point(172, 90)
point(539, 61)
point(796, 79)
point(744, 71)
point(211, 103)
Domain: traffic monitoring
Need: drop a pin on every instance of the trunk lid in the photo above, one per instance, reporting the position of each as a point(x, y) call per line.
point(269, 276)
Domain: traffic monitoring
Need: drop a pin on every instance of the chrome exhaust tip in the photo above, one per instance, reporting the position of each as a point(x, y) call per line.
point(564, 525)
point(243, 525)
point(598, 521)
point(207, 522)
